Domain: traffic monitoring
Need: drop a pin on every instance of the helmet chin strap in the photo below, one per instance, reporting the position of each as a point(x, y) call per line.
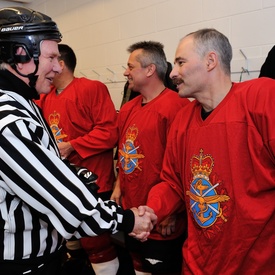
point(32, 76)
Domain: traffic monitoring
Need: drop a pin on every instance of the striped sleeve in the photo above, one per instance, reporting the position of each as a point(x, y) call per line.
point(35, 180)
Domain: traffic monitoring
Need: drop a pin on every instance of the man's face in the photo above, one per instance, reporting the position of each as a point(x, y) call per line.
point(189, 71)
point(48, 66)
point(137, 76)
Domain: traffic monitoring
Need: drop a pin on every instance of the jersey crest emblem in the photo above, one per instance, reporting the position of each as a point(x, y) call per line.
point(129, 156)
point(205, 202)
point(54, 120)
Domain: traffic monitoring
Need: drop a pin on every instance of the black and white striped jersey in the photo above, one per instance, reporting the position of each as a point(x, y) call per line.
point(41, 200)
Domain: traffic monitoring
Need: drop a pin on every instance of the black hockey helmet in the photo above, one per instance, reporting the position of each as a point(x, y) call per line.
point(23, 27)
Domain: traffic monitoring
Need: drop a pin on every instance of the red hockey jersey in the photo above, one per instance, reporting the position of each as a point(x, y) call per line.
point(84, 114)
point(222, 170)
point(142, 140)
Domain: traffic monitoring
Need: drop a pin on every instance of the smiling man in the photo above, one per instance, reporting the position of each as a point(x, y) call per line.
point(143, 124)
point(219, 162)
point(42, 201)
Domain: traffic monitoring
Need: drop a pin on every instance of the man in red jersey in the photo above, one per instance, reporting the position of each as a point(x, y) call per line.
point(83, 120)
point(219, 162)
point(144, 123)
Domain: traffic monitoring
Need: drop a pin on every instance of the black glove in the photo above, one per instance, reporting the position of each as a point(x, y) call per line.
point(85, 175)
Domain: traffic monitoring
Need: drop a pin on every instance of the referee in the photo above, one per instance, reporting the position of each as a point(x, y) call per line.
point(42, 201)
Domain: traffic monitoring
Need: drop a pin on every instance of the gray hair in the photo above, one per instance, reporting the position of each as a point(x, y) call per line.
point(207, 40)
point(152, 53)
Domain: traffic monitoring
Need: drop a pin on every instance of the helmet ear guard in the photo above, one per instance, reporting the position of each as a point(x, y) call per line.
point(21, 58)
point(8, 53)
point(26, 28)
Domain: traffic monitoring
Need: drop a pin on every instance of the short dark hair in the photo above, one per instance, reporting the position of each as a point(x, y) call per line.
point(153, 53)
point(68, 56)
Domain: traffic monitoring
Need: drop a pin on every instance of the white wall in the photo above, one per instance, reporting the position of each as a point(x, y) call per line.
point(100, 31)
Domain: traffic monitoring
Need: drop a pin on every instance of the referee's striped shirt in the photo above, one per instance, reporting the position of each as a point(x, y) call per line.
point(41, 200)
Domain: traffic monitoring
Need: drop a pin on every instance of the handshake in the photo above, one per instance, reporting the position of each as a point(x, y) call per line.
point(145, 220)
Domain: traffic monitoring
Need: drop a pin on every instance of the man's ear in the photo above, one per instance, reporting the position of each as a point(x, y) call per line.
point(62, 64)
point(151, 69)
point(211, 60)
point(20, 51)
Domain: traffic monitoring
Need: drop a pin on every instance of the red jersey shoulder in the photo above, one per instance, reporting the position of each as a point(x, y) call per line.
point(187, 112)
point(131, 103)
point(42, 97)
point(172, 96)
point(168, 103)
point(89, 84)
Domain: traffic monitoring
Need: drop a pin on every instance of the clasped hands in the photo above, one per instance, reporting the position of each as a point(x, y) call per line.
point(145, 220)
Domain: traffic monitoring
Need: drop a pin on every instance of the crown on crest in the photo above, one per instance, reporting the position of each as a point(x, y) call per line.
point(54, 118)
point(201, 165)
point(131, 133)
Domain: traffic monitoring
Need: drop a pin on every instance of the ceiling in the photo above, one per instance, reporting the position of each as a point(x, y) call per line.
point(19, 1)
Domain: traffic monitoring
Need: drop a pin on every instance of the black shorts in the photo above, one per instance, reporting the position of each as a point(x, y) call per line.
point(155, 255)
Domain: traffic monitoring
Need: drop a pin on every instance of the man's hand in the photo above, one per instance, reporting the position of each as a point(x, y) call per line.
point(145, 219)
point(167, 226)
point(65, 149)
